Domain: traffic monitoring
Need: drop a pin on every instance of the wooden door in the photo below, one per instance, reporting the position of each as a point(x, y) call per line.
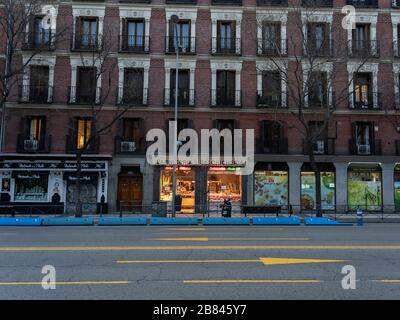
point(130, 192)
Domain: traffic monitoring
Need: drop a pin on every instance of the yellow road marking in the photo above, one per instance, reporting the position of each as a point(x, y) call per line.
point(264, 260)
point(388, 281)
point(253, 281)
point(229, 239)
point(239, 247)
point(16, 283)
point(186, 229)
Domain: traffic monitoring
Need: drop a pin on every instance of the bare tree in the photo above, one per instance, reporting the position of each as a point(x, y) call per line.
point(17, 33)
point(312, 75)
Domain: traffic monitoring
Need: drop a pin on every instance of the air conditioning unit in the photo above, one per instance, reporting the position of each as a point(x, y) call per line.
point(319, 147)
point(31, 145)
point(364, 149)
point(128, 146)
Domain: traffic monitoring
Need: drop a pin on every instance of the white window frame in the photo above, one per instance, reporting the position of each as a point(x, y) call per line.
point(328, 69)
point(226, 15)
point(183, 14)
point(316, 17)
point(365, 17)
point(271, 15)
point(137, 13)
point(228, 66)
point(395, 17)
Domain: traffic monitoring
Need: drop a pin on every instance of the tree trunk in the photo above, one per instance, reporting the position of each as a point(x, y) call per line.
point(317, 173)
point(78, 205)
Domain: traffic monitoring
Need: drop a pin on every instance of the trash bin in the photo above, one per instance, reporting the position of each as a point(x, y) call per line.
point(159, 209)
point(178, 203)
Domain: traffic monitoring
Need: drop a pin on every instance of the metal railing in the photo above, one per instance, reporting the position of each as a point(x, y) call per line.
point(72, 147)
point(26, 144)
point(186, 97)
point(368, 104)
point(363, 3)
point(272, 146)
point(186, 45)
point(272, 47)
point(42, 40)
point(78, 95)
point(134, 43)
point(132, 96)
point(272, 3)
point(226, 45)
point(85, 42)
point(35, 94)
point(227, 2)
point(374, 147)
point(363, 48)
point(224, 98)
point(317, 3)
point(323, 50)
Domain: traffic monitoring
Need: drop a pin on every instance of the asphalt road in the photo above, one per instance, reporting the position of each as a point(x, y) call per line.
point(221, 262)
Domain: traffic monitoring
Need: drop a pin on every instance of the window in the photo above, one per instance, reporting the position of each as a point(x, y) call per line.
point(31, 186)
point(362, 90)
point(86, 33)
point(272, 137)
point(180, 36)
point(133, 86)
point(86, 85)
point(84, 132)
point(184, 87)
point(133, 35)
point(318, 38)
point(226, 37)
point(364, 137)
point(271, 89)
point(41, 35)
point(319, 135)
point(271, 38)
point(361, 39)
point(131, 130)
point(226, 88)
point(317, 94)
point(39, 84)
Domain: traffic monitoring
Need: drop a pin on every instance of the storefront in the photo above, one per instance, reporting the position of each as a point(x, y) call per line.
point(48, 186)
point(364, 187)
point(223, 183)
point(185, 186)
point(271, 184)
point(397, 187)
point(308, 187)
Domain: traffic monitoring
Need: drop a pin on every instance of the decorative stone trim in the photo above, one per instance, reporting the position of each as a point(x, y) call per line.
point(271, 15)
point(226, 15)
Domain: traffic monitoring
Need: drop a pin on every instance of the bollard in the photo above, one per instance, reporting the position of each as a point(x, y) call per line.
point(359, 217)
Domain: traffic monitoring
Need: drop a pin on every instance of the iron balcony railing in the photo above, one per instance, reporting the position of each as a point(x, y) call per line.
point(181, 1)
point(228, 46)
point(373, 147)
point(79, 95)
point(322, 50)
point(43, 40)
point(227, 2)
point(363, 3)
point(128, 146)
point(317, 3)
point(269, 100)
point(226, 98)
point(132, 96)
point(134, 44)
point(367, 103)
point(85, 42)
point(27, 144)
point(35, 94)
point(272, 47)
point(135, 1)
point(321, 146)
point(363, 48)
point(72, 144)
point(185, 44)
point(272, 146)
point(186, 97)
point(272, 3)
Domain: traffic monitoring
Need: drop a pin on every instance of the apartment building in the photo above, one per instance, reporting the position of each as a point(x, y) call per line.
point(228, 79)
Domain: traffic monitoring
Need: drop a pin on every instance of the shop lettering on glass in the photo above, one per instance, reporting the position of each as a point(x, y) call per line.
point(195, 151)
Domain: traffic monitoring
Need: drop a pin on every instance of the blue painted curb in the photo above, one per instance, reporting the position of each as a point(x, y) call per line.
point(318, 221)
point(128, 221)
point(226, 221)
point(68, 221)
point(287, 221)
point(174, 221)
point(20, 221)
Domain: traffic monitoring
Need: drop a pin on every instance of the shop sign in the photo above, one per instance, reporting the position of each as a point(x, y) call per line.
point(52, 165)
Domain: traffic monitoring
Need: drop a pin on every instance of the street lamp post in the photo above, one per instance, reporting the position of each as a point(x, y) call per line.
point(175, 20)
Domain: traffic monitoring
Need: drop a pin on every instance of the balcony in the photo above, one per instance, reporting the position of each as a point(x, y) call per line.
point(324, 50)
point(71, 144)
point(225, 98)
point(363, 48)
point(226, 46)
point(134, 44)
point(368, 104)
point(372, 148)
point(317, 3)
point(85, 42)
point(321, 147)
point(25, 144)
point(363, 3)
point(186, 45)
point(227, 2)
point(272, 3)
point(268, 100)
point(134, 1)
point(272, 146)
point(276, 48)
point(39, 41)
point(127, 146)
point(186, 97)
point(181, 1)
point(78, 95)
point(35, 94)
point(130, 96)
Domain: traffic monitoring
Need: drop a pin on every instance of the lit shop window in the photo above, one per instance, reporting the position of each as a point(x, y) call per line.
point(223, 183)
point(271, 188)
point(31, 186)
point(308, 191)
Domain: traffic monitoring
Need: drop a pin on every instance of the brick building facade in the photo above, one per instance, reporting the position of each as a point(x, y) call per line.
point(224, 83)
